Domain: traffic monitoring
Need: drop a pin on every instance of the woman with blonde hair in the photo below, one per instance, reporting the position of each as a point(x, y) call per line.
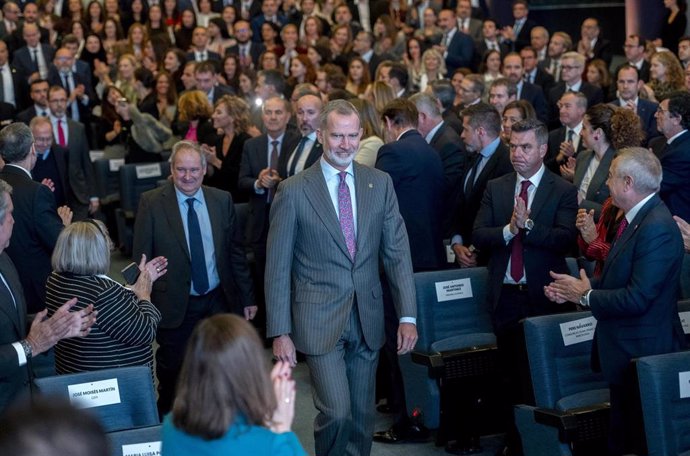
point(125, 81)
point(231, 118)
point(433, 68)
point(194, 112)
point(371, 140)
point(666, 76)
point(380, 94)
point(226, 400)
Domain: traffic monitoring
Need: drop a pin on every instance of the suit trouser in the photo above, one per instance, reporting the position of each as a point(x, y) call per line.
point(343, 387)
point(172, 344)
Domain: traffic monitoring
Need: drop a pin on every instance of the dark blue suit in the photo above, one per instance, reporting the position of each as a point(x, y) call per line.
point(535, 96)
point(417, 174)
point(460, 52)
point(675, 185)
point(25, 64)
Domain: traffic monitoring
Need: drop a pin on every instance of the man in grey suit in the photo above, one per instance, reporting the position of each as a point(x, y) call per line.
point(330, 226)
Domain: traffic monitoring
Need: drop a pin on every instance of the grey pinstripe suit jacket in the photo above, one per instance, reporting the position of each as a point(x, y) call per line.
point(311, 280)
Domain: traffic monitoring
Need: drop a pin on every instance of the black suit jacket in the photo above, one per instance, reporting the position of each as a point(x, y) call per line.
point(314, 154)
point(255, 51)
point(594, 96)
point(544, 80)
point(524, 37)
point(556, 137)
point(467, 204)
point(27, 114)
point(553, 211)
point(21, 89)
point(635, 299)
point(23, 62)
point(158, 230)
point(80, 173)
point(535, 96)
point(603, 50)
point(675, 185)
point(417, 174)
point(460, 52)
point(36, 229)
point(254, 159)
point(14, 379)
point(54, 78)
point(598, 191)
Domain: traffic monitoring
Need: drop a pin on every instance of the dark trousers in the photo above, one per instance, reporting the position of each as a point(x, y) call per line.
point(172, 344)
point(626, 428)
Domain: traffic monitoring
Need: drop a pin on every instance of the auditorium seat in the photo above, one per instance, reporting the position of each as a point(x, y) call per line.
point(570, 412)
point(664, 382)
point(456, 345)
point(142, 441)
point(121, 398)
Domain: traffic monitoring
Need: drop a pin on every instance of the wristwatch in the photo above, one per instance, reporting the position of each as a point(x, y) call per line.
point(27, 348)
point(529, 224)
point(584, 299)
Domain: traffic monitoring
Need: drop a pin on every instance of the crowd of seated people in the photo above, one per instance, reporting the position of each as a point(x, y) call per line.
point(242, 85)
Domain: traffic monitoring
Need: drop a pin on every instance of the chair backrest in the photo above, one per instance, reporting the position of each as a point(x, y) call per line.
point(107, 172)
point(146, 440)
point(559, 350)
point(451, 305)
point(665, 395)
point(121, 398)
point(137, 178)
point(684, 314)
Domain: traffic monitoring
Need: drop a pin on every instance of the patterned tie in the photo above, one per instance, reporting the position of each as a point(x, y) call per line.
point(516, 261)
point(347, 221)
point(196, 250)
point(569, 135)
point(621, 229)
point(61, 134)
point(274, 166)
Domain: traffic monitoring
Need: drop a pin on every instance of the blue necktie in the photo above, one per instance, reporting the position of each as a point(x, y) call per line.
point(196, 250)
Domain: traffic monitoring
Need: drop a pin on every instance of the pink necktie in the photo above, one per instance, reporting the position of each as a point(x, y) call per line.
point(61, 134)
point(347, 222)
point(516, 262)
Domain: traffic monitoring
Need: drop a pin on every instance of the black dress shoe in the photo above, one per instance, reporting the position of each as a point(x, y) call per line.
point(403, 434)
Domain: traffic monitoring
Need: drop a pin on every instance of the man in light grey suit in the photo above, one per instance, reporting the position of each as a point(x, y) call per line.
point(330, 225)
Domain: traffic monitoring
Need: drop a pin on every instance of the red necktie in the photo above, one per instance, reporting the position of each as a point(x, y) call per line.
point(61, 134)
point(621, 228)
point(516, 262)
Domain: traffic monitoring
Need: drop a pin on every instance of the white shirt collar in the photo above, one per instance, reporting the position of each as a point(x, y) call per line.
point(28, 173)
point(672, 138)
point(630, 215)
point(535, 179)
point(433, 131)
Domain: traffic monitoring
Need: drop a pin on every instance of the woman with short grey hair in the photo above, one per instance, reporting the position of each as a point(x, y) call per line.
point(127, 320)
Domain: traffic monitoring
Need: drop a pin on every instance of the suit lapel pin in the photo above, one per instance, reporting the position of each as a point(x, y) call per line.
point(371, 185)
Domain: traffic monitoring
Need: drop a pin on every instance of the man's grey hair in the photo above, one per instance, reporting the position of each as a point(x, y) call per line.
point(444, 91)
point(642, 166)
point(341, 107)
point(187, 145)
point(510, 86)
point(5, 189)
point(16, 141)
point(427, 103)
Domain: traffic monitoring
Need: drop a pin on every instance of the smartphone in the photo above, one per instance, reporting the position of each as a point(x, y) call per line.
point(122, 102)
point(131, 273)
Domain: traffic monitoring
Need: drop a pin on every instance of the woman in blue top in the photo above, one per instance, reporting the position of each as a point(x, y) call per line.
point(225, 401)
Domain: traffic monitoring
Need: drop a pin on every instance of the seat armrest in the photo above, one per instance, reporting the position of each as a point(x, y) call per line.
point(582, 423)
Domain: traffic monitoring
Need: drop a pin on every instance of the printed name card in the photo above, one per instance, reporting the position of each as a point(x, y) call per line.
point(94, 394)
point(453, 289)
point(142, 449)
point(685, 321)
point(146, 171)
point(684, 381)
point(115, 164)
point(577, 331)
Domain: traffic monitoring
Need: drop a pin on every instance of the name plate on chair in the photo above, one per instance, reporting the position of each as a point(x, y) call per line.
point(577, 331)
point(115, 164)
point(685, 321)
point(684, 381)
point(453, 289)
point(142, 449)
point(94, 394)
point(146, 171)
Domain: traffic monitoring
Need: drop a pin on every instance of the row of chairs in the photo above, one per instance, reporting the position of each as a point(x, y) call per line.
point(122, 400)
point(451, 377)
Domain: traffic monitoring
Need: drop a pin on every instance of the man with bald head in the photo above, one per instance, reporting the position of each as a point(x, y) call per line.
point(309, 149)
point(33, 59)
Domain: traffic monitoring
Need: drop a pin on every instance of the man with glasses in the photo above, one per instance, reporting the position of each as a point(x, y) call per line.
point(634, 54)
point(572, 66)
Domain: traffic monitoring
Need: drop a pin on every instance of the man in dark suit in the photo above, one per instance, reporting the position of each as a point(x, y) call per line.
point(80, 93)
point(248, 50)
point(309, 149)
point(629, 85)
point(572, 66)
point(395, 74)
point(72, 135)
point(269, 13)
point(634, 49)
point(489, 160)
point(38, 220)
point(566, 142)
point(207, 266)
point(14, 87)
point(16, 39)
point(10, 20)
point(329, 306)
point(526, 226)
point(518, 35)
point(533, 94)
point(456, 47)
point(447, 144)
point(591, 45)
point(532, 73)
point(466, 23)
point(444, 91)
point(206, 77)
point(263, 158)
point(489, 40)
point(364, 46)
point(673, 121)
point(39, 106)
point(33, 60)
point(16, 346)
point(635, 298)
point(199, 51)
